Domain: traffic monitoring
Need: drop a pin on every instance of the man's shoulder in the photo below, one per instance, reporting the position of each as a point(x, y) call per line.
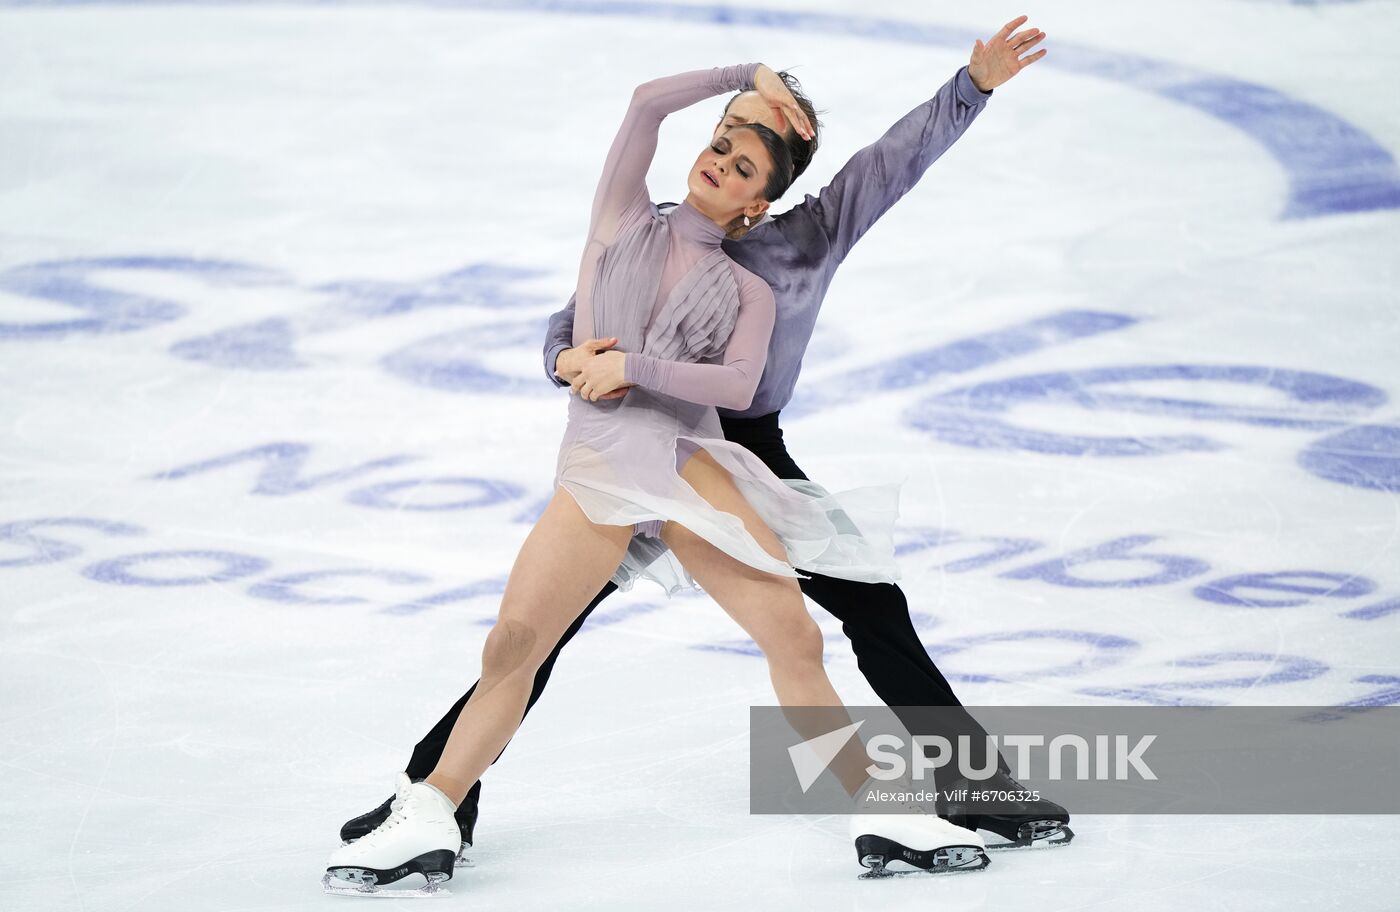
point(795, 236)
point(802, 211)
point(779, 229)
point(744, 275)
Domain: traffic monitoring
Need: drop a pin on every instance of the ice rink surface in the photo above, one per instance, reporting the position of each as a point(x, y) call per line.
point(273, 280)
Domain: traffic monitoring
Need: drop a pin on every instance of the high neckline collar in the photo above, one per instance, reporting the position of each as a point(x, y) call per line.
point(694, 224)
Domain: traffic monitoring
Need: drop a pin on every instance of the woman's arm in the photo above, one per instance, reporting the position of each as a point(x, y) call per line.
point(729, 385)
point(622, 193)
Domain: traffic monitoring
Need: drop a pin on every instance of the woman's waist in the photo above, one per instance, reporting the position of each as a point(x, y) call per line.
point(647, 407)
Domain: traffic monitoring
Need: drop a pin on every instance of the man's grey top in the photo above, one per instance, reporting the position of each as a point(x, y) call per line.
point(797, 252)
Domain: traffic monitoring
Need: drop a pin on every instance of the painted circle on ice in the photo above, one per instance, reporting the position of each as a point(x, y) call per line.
point(1364, 456)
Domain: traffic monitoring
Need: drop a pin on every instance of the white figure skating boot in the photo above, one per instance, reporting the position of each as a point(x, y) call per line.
point(420, 836)
point(913, 838)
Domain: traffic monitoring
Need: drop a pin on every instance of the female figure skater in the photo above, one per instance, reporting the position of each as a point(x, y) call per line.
point(646, 485)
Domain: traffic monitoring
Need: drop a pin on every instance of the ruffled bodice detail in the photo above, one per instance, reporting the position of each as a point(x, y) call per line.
point(693, 319)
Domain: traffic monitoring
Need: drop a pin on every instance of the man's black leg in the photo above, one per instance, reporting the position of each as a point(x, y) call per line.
point(875, 616)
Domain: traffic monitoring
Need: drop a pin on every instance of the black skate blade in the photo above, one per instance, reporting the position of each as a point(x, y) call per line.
point(350, 880)
point(1036, 834)
point(878, 853)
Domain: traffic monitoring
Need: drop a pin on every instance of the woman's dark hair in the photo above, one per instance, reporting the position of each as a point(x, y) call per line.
point(780, 153)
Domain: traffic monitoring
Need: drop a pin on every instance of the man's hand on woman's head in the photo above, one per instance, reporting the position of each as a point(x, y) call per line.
point(996, 61)
point(774, 92)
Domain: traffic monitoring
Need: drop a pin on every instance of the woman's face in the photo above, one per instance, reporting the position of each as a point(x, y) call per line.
point(729, 176)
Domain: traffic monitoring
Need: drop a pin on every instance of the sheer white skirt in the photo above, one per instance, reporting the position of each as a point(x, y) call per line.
point(621, 461)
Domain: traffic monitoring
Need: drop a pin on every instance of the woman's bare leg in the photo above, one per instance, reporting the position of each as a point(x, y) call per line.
point(563, 563)
point(769, 608)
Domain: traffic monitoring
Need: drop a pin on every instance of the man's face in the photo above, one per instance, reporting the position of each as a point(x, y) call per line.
point(748, 108)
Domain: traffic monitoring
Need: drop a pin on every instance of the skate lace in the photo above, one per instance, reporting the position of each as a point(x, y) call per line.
point(396, 816)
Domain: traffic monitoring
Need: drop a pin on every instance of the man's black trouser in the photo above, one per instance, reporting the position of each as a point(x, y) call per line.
point(874, 615)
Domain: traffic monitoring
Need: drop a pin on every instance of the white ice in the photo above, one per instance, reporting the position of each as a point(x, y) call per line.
point(196, 746)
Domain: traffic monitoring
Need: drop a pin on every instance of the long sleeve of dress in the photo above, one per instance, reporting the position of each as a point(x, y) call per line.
point(622, 193)
point(558, 337)
point(730, 384)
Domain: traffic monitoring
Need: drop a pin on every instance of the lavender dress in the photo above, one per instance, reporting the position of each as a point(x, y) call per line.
point(695, 326)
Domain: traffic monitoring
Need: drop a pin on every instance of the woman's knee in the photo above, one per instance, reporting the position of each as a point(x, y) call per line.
point(512, 646)
point(797, 641)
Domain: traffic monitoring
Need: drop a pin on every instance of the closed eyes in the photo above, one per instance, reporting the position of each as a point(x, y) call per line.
point(722, 147)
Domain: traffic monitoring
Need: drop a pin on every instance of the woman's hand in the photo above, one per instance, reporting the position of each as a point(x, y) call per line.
point(572, 360)
point(774, 92)
point(1000, 58)
point(601, 374)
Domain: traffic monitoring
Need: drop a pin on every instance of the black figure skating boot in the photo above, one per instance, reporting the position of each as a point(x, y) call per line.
point(1020, 822)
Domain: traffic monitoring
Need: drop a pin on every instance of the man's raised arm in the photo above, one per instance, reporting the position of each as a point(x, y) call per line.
point(877, 176)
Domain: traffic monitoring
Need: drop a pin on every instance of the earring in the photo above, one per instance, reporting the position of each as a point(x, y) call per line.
point(746, 221)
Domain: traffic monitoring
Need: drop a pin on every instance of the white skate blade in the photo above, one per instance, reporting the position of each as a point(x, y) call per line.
point(886, 858)
point(430, 889)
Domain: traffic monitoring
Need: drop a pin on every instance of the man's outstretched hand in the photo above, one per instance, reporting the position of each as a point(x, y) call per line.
point(1000, 58)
